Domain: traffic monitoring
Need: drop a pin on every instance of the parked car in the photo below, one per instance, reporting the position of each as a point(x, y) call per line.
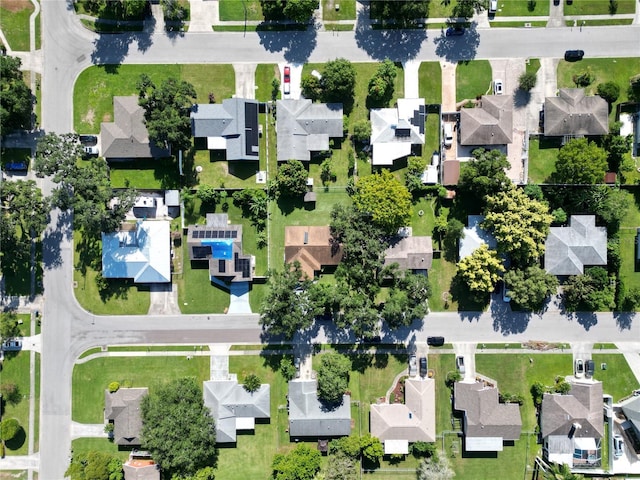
point(460, 364)
point(590, 367)
point(435, 341)
point(573, 55)
point(618, 446)
point(91, 151)
point(505, 293)
point(455, 31)
point(447, 134)
point(579, 368)
point(493, 6)
point(12, 345)
point(15, 166)
point(413, 366)
point(423, 366)
point(287, 80)
point(88, 140)
point(497, 87)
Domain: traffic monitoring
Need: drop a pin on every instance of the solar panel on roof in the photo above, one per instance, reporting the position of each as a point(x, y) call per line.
point(227, 234)
point(214, 234)
point(208, 234)
point(251, 133)
point(222, 266)
point(234, 234)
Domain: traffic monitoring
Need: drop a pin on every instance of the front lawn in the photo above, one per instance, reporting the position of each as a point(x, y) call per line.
point(233, 10)
point(617, 380)
point(430, 82)
point(17, 271)
point(96, 86)
point(15, 370)
point(598, 7)
point(347, 10)
point(522, 8)
point(543, 153)
point(473, 79)
point(86, 445)
point(14, 22)
point(265, 73)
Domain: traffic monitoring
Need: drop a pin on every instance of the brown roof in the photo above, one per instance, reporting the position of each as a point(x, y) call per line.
point(312, 246)
point(489, 124)
point(141, 470)
point(450, 172)
point(582, 406)
point(485, 416)
point(574, 113)
point(410, 253)
point(123, 408)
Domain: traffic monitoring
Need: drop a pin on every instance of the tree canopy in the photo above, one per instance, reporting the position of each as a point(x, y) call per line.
point(483, 176)
point(530, 287)
point(435, 468)
point(9, 428)
point(338, 81)
point(341, 467)
point(481, 270)
point(519, 224)
point(291, 179)
point(300, 10)
point(382, 84)
point(9, 325)
point(590, 292)
point(385, 199)
point(15, 96)
point(407, 299)
point(95, 465)
point(403, 12)
point(24, 209)
point(167, 110)
point(333, 377)
point(178, 429)
point(301, 463)
point(580, 162)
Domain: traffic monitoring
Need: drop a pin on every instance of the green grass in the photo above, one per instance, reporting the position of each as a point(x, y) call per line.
point(347, 10)
point(517, 24)
point(101, 27)
point(522, 8)
point(618, 379)
point(146, 174)
point(96, 86)
point(15, 25)
point(265, 73)
point(598, 7)
point(15, 370)
point(25, 326)
point(17, 278)
point(160, 348)
point(533, 65)
point(92, 378)
point(430, 82)
point(472, 79)
point(629, 275)
point(543, 153)
point(86, 445)
point(233, 10)
point(598, 23)
point(617, 70)
point(339, 27)
point(441, 9)
point(124, 297)
point(441, 364)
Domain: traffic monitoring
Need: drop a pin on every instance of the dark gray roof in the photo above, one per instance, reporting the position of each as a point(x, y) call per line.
point(228, 400)
point(127, 136)
point(123, 408)
point(485, 416)
point(410, 253)
point(491, 123)
point(308, 417)
point(582, 406)
point(631, 410)
point(574, 113)
point(303, 127)
point(569, 249)
point(235, 120)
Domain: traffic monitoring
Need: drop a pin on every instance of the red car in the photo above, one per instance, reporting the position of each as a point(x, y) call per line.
point(287, 80)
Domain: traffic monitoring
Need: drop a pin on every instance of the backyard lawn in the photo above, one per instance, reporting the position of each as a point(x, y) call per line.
point(153, 174)
point(14, 21)
point(430, 82)
point(543, 153)
point(473, 79)
point(96, 86)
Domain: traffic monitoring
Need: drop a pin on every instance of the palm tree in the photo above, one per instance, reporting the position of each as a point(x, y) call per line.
point(562, 471)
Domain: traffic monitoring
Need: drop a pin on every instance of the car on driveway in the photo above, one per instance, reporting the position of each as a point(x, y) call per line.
point(12, 345)
point(455, 31)
point(573, 55)
point(447, 134)
point(15, 166)
point(413, 366)
point(589, 368)
point(498, 87)
point(460, 364)
point(579, 368)
point(88, 140)
point(618, 446)
point(91, 151)
point(287, 80)
point(423, 366)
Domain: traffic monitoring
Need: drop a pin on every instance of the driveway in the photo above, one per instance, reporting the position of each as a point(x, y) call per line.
point(295, 74)
point(164, 300)
point(239, 302)
point(245, 80)
point(468, 352)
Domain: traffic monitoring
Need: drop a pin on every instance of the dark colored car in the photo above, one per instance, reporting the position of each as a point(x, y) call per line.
point(590, 367)
point(13, 166)
point(89, 140)
point(435, 341)
point(455, 31)
point(423, 366)
point(573, 55)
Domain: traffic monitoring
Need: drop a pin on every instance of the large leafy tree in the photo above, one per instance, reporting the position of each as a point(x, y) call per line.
point(407, 300)
point(580, 162)
point(467, 8)
point(300, 10)
point(95, 466)
point(519, 224)
point(402, 11)
point(483, 176)
point(381, 84)
point(338, 81)
point(291, 179)
point(435, 468)
point(371, 448)
point(178, 429)
point(385, 199)
point(302, 463)
point(591, 291)
point(15, 96)
point(359, 315)
point(24, 208)
point(167, 108)
point(341, 467)
point(333, 377)
point(481, 270)
point(530, 287)
point(9, 325)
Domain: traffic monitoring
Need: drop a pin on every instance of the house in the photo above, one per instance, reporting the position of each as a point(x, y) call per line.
point(231, 126)
point(474, 236)
point(220, 244)
point(569, 249)
point(303, 127)
point(140, 251)
point(127, 138)
point(631, 427)
point(397, 424)
point(398, 132)
point(488, 124)
point(572, 425)
point(234, 408)
point(140, 466)
point(310, 418)
point(575, 114)
point(313, 247)
point(122, 408)
point(487, 423)
point(409, 252)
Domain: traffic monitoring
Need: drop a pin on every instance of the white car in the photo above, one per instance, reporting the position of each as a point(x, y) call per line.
point(447, 134)
point(460, 364)
point(493, 6)
point(579, 368)
point(90, 151)
point(618, 446)
point(498, 87)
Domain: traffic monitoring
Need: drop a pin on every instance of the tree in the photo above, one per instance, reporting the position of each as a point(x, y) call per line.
point(529, 288)
point(423, 449)
point(272, 9)
point(338, 81)
point(326, 172)
point(178, 429)
point(252, 383)
point(371, 448)
point(348, 446)
point(341, 467)
point(481, 270)
point(9, 324)
point(16, 100)
point(527, 81)
point(208, 195)
point(403, 12)
point(580, 162)
point(362, 131)
point(359, 315)
point(311, 87)
point(413, 176)
point(287, 369)
point(617, 147)
point(519, 224)
point(407, 300)
point(559, 216)
point(167, 110)
point(291, 179)
point(381, 84)
point(562, 471)
point(333, 377)
point(537, 392)
point(174, 10)
point(591, 291)
point(610, 91)
point(483, 176)
point(302, 463)
point(9, 428)
point(11, 393)
point(95, 465)
point(206, 473)
point(300, 10)
point(435, 469)
point(24, 208)
point(385, 199)
point(286, 309)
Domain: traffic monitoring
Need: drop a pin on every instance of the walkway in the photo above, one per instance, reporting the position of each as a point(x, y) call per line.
point(81, 430)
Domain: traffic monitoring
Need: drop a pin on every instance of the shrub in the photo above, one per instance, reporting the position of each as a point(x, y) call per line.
point(114, 387)
point(584, 79)
point(452, 377)
point(362, 131)
point(610, 91)
point(252, 383)
point(9, 428)
point(349, 446)
point(527, 81)
point(423, 449)
point(287, 369)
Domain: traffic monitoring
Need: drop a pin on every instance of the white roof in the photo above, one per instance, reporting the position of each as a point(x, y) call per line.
point(216, 143)
point(396, 447)
point(430, 175)
point(386, 153)
point(483, 444)
point(585, 443)
point(245, 423)
point(474, 237)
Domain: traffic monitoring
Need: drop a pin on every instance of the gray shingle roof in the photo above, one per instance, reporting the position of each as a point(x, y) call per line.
point(127, 136)
point(303, 127)
point(123, 408)
point(394, 130)
point(308, 417)
point(235, 120)
point(410, 253)
point(574, 113)
point(631, 410)
point(569, 249)
point(582, 406)
point(228, 400)
point(489, 124)
point(485, 416)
